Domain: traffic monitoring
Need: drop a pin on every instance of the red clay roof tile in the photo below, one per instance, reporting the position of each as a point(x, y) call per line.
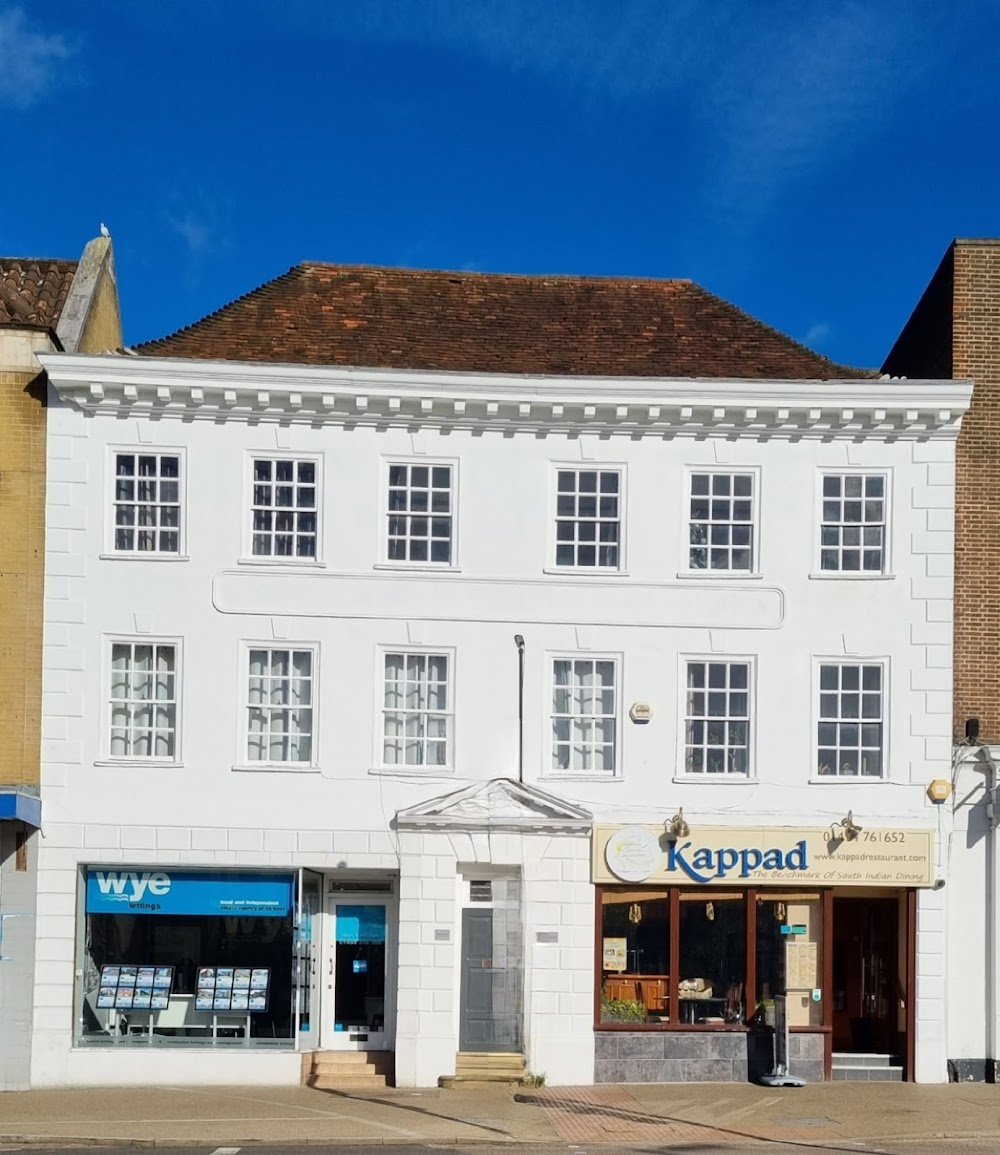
point(321, 314)
point(33, 291)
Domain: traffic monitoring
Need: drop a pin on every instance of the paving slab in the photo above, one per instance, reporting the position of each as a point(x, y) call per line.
point(725, 1114)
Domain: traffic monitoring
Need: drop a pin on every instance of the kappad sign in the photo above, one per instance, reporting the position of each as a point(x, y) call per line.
point(762, 856)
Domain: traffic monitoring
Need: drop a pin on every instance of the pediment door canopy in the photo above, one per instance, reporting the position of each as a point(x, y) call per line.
point(500, 803)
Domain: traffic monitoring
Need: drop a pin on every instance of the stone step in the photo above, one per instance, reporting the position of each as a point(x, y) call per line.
point(480, 1079)
point(865, 1059)
point(498, 1061)
point(347, 1082)
point(327, 1066)
point(860, 1074)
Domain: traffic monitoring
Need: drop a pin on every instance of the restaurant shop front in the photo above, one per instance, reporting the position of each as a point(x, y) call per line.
point(706, 937)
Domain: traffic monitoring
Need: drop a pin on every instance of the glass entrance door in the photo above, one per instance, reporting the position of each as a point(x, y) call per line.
point(357, 1003)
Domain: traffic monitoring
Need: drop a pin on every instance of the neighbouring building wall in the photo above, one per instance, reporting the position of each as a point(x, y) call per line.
point(955, 332)
point(18, 876)
point(22, 554)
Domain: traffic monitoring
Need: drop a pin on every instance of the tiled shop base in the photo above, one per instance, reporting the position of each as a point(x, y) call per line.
point(699, 1056)
point(612, 1115)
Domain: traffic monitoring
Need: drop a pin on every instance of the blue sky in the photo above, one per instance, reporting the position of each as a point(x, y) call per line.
point(809, 160)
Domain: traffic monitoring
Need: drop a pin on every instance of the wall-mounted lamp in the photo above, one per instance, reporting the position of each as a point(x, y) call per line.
point(849, 829)
point(677, 827)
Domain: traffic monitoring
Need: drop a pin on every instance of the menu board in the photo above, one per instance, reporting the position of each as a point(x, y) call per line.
point(232, 990)
point(135, 988)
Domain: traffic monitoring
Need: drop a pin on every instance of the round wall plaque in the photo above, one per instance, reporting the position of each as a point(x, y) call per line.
point(633, 853)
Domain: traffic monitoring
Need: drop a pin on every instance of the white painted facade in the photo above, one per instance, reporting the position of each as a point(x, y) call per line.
point(504, 439)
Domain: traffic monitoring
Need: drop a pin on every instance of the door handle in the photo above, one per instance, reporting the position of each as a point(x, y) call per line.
point(330, 971)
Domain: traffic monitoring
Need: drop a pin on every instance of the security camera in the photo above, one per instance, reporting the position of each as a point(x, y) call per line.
point(939, 884)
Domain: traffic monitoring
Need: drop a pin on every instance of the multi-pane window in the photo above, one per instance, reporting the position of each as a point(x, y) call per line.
point(420, 513)
point(851, 701)
point(284, 509)
point(588, 518)
point(717, 718)
point(143, 700)
point(416, 711)
point(584, 714)
point(852, 532)
point(147, 502)
point(720, 527)
point(280, 706)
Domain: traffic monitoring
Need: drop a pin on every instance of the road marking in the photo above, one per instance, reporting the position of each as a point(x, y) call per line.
point(226, 1151)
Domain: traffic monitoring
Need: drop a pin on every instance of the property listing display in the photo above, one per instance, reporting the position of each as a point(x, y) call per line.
point(135, 988)
point(242, 990)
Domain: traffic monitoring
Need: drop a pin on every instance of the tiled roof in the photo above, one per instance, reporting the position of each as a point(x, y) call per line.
point(357, 315)
point(33, 291)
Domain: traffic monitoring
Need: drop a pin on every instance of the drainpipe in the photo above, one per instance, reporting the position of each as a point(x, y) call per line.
point(992, 921)
point(519, 642)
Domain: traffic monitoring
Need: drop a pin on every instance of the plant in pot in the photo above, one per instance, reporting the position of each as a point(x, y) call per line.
point(622, 1011)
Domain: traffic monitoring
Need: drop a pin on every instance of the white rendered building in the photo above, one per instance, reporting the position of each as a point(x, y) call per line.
point(289, 806)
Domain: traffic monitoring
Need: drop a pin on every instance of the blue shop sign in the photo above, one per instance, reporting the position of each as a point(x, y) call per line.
point(218, 892)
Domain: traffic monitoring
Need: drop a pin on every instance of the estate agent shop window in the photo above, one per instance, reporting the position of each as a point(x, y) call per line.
point(171, 957)
point(710, 958)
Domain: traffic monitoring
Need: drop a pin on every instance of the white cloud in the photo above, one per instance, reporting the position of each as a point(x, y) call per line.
point(816, 334)
point(195, 233)
point(766, 91)
point(30, 61)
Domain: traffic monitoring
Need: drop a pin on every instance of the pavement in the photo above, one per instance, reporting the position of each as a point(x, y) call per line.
point(828, 1116)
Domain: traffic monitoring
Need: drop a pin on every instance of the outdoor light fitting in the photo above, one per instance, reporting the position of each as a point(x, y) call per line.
point(849, 828)
point(677, 827)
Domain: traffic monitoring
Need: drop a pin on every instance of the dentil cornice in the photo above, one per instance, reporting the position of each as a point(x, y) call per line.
point(120, 385)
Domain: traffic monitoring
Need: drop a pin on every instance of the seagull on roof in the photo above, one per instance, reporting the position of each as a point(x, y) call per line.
point(104, 230)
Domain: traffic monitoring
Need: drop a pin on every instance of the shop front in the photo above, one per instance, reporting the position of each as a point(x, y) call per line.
point(708, 939)
point(188, 958)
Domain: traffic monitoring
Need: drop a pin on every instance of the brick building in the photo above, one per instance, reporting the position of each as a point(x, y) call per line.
point(45, 306)
point(954, 331)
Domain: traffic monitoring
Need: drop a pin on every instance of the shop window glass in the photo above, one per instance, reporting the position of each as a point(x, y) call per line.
point(804, 959)
point(172, 968)
point(712, 961)
point(635, 949)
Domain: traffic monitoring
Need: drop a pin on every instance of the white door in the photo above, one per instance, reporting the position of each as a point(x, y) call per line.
point(358, 996)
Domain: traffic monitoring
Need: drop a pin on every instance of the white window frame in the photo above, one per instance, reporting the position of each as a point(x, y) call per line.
point(849, 660)
point(548, 715)
point(886, 474)
point(243, 760)
point(386, 461)
point(713, 470)
point(268, 454)
point(109, 641)
point(682, 774)
point(112, 552)
point(379, 765)
point(594, 571)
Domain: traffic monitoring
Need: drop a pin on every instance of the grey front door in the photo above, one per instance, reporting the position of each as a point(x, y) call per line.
point(490, 1000)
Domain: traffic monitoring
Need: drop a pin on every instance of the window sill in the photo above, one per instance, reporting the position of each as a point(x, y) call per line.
point(581, 776)
point(275, 768)
point(850, 576)
point(714, 779)
point(849, 779)
point(590, 572)
point(125, 555)
point(167, 763)
point(726, 575)
point(412, 772)
point(281, 563)
point(416, 567)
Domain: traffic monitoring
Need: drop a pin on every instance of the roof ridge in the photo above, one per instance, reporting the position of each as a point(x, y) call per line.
point(39, 260)
point(615, 278)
